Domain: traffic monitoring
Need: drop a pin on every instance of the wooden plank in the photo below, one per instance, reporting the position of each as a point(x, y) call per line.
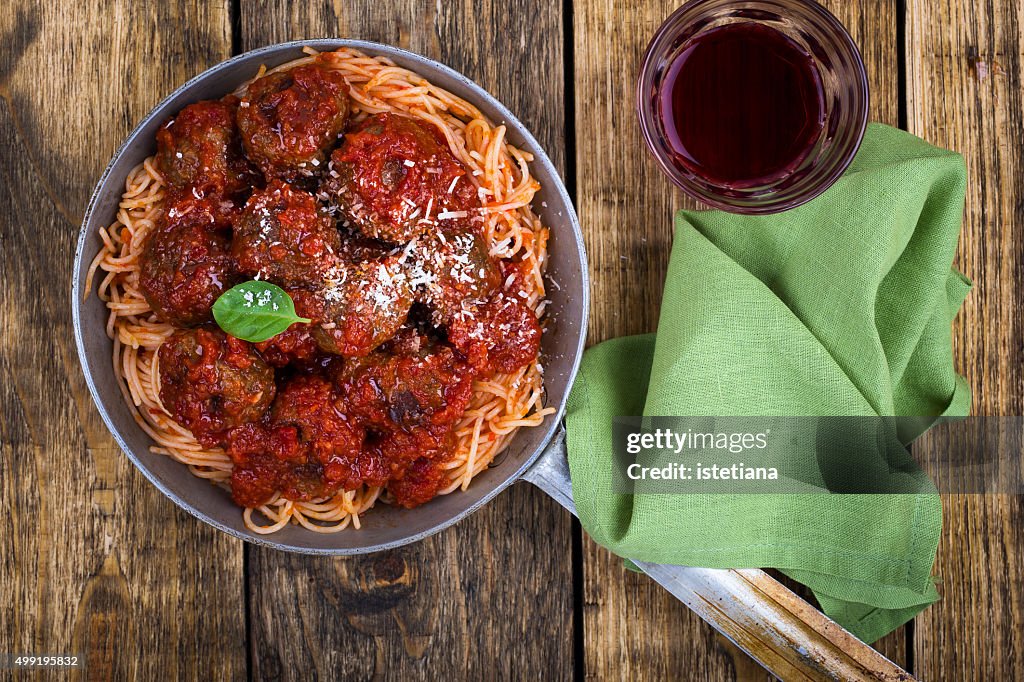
point(492, 597)
point(964, 67)
point(97, 562)
point(633, 628)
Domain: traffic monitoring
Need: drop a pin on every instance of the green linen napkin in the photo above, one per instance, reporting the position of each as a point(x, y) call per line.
point(842, 306)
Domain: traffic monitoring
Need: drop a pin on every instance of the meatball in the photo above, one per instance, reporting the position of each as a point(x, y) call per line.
point(393, 177)
point(356, 249)
point(363, 306)
point(282, 235)
point(256, 481)
point(415, 337)
point(327, 435)
point(452, 270)
point(201, 147)
point(211, 382)
point(271, 458)
point(419, 484)
point(294, 345)
point(200, 205)
point(428, 386)
point(289, 119)
point(263, 462)
point(184, 267)
point(498, 337)
point(415, 458)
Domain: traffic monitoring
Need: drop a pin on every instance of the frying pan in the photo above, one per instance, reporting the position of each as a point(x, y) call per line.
point(757, 613)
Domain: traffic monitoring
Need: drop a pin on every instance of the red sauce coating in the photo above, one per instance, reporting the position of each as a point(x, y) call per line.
point(262, 456)
point(394, 177)
point(211, 382)
point(282, 235)
point(416, 457)
point(411, 396)
point(270, 459)
point(201, 146)
point(184, 267)
point(498, 337)
point(309, 448)
point(390, 392)
point(200, 204)
point(330, 437)
point(296, 344)
point(419, 484)
point(289, 119)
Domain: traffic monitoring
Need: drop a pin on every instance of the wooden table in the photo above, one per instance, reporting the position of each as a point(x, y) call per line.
point(97, 561)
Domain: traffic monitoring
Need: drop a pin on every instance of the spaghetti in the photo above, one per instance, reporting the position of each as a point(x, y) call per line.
point(499, 405)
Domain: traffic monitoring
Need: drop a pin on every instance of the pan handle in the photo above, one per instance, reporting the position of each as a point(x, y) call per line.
point(778, 629)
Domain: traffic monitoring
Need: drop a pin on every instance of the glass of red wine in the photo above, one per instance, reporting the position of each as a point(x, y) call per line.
point(753, 106)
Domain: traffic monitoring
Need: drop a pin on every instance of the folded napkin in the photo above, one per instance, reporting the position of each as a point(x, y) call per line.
point(842, 306)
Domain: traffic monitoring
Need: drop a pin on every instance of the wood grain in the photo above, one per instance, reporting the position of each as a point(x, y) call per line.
point(493, 596)
point(631, 627)
point(96, 561)
point(964, 68)
point(103, 565)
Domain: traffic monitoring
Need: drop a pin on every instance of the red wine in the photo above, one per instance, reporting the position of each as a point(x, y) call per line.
point(741, 105)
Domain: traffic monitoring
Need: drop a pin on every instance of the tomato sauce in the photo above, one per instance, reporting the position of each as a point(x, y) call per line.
point(503, 334)
point(201, 147)
point(394, 177)
point(212, 382)
point(284, 236)
point(370, 391)
point(289, 119)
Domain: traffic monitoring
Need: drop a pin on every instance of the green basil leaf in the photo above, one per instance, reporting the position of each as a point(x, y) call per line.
point(255, 311)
